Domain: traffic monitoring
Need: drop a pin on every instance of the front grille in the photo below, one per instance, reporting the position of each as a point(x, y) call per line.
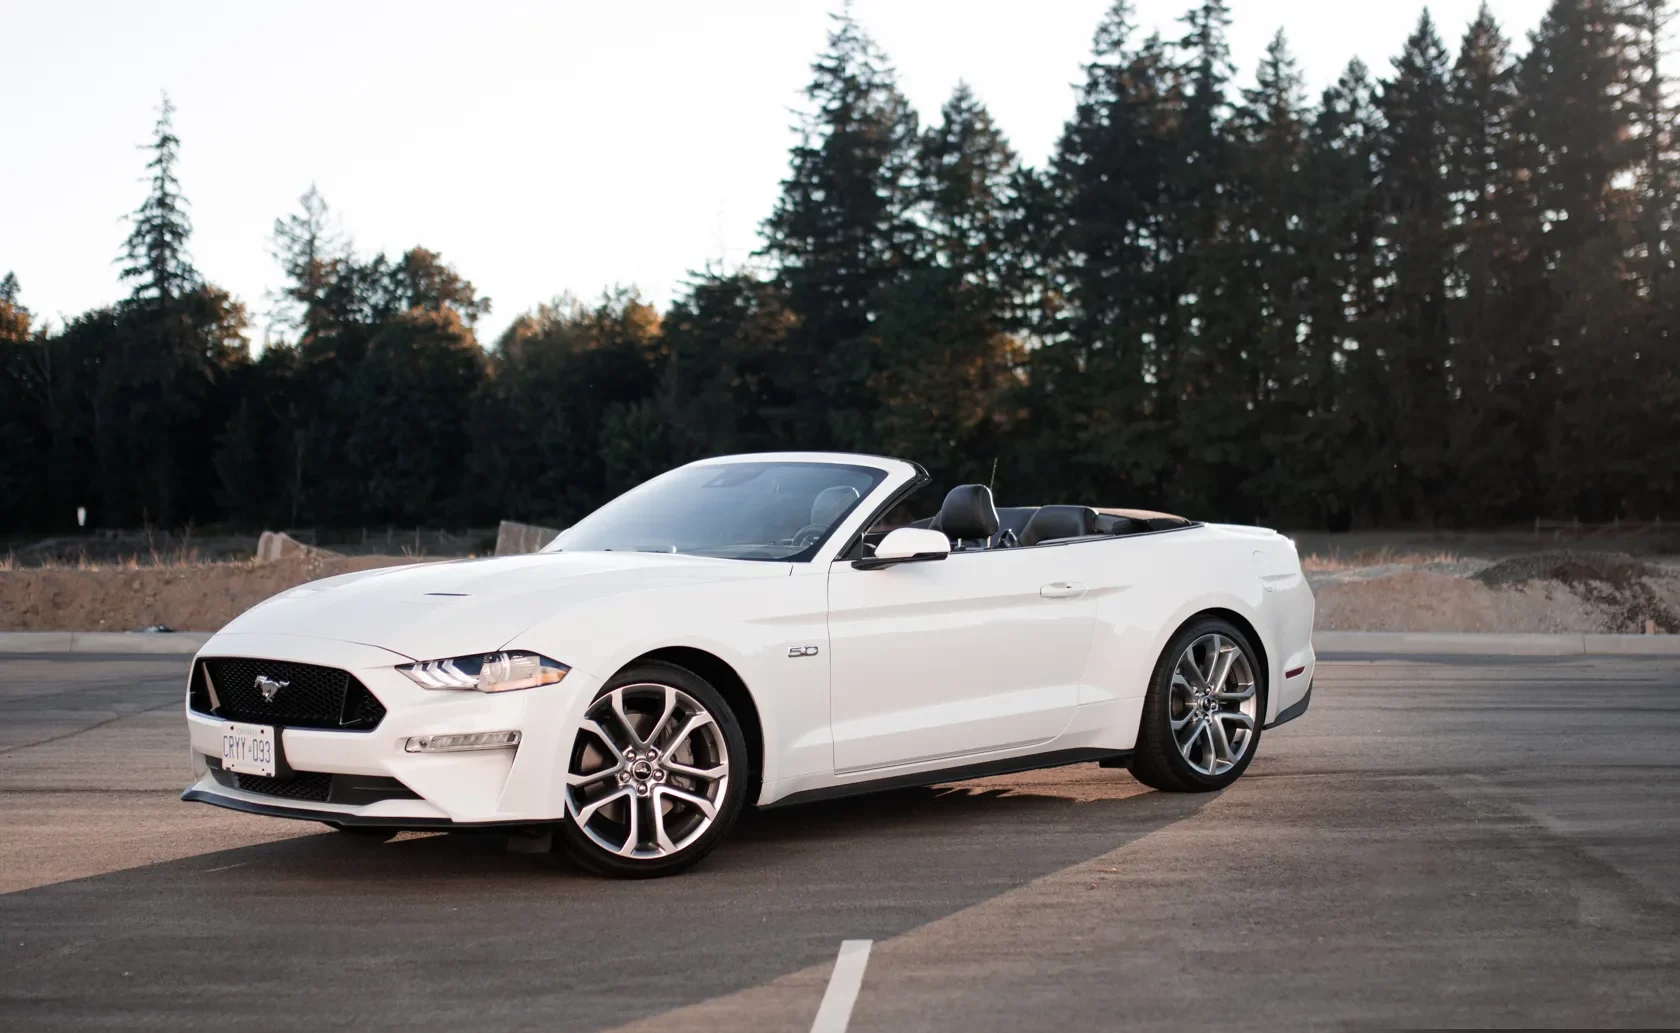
point(303, 785)
point(312, 697)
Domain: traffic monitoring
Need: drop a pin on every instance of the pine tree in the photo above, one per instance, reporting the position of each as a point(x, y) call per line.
point(1090, 428)
point(841, 230)
point(942, 320)
point(14, 318)
point(1495, 339)
point(1656, 143)
point(1575, 81)
point(724, 385)
point(568, 415)
point(24, 424)
point(1341, 246)
point(156, 248)
point(313, 255)
point(1413, 339)
point(158, 363)
point(1206, 374)
point(1273, 362)
point(965, 194)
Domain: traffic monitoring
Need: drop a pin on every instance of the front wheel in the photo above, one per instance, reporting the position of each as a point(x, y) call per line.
point(1202, 715)
point(657, 774)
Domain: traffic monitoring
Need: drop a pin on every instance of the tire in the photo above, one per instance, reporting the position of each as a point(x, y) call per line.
point(1174, 752)
point(638, 807)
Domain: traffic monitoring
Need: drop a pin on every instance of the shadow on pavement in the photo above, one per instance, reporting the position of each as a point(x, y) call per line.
point(335, 931)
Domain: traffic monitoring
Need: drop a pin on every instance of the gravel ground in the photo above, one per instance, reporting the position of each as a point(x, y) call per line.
point(1561, 591)
point(184, 596)
point(1557, 591)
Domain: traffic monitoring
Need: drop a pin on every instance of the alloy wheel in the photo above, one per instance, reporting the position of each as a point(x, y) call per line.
point(648, 773)
point(1213, 705)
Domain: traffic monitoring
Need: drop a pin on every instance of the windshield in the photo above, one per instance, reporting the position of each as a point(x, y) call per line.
point(739, 511)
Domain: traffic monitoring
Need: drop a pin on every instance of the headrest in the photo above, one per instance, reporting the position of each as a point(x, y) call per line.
point(1059, 522)
point(968, 513)
point(831, 503)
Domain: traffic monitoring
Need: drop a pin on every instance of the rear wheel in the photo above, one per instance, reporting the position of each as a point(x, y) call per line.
point(1202, 715)
point(657, 774)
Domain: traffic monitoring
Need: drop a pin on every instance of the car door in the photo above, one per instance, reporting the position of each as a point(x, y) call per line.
point(978, 652)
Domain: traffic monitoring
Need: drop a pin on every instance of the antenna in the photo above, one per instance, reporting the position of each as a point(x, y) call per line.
point(993, 481)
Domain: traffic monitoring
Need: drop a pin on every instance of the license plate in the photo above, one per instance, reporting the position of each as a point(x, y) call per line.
point(248, 748)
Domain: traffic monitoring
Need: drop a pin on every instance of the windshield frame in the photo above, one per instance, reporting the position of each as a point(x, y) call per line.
point(888, 474)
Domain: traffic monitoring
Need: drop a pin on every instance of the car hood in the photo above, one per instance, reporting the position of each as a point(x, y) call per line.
point(429, 611)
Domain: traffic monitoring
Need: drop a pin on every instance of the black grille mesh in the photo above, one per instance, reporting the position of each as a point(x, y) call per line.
point(315, 786)
point(303, 785)
point(313, 697)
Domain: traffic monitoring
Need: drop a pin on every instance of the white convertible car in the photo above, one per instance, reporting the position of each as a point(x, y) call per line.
point(747, 630)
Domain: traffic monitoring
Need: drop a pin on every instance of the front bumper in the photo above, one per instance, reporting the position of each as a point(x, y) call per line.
point(251, 804)
point(519, 785)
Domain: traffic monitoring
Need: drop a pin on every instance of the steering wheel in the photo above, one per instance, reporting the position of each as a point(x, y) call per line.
point(808, 534)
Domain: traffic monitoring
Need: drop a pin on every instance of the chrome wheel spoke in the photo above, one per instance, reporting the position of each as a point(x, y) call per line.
point(1221, 669)
point(594, 728)
point(699, 803)
point(661, 837)
point(617, 698)
point(1215, 645)
point(709, 774)
point(1187, 745)
point(582, 815)
point(672, 777)
point(1237, 716)
point(1191, 674)
point(698, 721)
point(1213, 690)
point(633, 838)
point(578, 781)
point(1221, 745)
point(664, 716)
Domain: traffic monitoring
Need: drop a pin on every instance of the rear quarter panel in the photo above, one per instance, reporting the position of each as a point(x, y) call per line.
point(1150, 585)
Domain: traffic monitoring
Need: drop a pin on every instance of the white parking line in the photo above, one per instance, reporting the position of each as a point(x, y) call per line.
point(843, 986)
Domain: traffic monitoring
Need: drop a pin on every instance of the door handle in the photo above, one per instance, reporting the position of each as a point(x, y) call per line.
point(1062, 590)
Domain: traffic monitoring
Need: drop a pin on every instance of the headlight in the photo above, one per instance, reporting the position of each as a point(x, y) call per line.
point(486, 672)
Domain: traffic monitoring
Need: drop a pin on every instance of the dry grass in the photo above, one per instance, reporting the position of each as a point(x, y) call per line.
point(180, 558)
point(177, 589)
point(1318, 563)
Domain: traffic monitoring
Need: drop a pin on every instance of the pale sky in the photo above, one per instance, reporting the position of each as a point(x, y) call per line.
point(541, 147)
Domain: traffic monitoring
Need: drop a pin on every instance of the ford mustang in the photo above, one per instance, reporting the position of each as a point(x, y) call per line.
point(755, 630)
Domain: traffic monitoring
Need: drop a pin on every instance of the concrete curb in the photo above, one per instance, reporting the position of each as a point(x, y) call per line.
point(1387, 643)
point(164, 643)
point(1470, 643)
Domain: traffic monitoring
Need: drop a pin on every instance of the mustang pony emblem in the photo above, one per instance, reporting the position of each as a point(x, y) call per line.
point(269, 687)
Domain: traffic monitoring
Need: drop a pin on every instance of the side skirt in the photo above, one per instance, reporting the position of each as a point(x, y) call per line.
point(1053, 759)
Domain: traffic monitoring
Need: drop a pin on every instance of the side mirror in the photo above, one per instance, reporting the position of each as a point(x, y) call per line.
point(907, 545)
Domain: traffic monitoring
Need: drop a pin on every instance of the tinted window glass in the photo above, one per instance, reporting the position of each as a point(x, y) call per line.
point(744, 511)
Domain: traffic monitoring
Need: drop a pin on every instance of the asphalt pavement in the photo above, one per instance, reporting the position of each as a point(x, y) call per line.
point(1438, 842)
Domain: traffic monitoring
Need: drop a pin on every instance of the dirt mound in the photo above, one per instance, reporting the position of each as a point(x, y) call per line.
point(1423, 600)
point(186, 597)
point(1572, 568)
point(1632, 592)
